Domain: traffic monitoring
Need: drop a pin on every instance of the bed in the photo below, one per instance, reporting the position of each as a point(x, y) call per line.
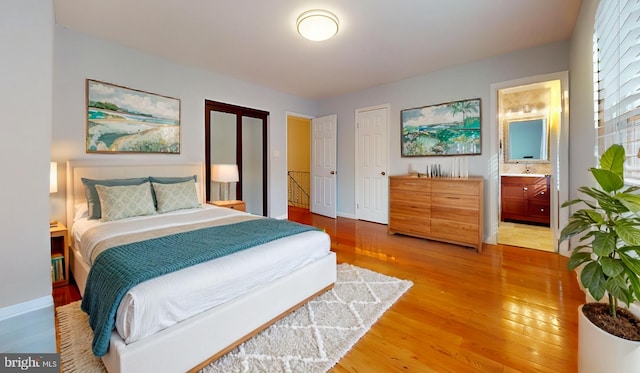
point(199, 333)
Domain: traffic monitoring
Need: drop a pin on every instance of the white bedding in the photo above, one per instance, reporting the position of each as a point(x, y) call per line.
point(166, 300)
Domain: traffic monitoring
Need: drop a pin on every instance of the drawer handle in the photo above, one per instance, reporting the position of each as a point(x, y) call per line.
point(542, 193)
point(453, 197)
point(525, 188)
point(541, 210)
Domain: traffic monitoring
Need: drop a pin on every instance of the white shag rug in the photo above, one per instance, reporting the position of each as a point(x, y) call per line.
point(311, 339)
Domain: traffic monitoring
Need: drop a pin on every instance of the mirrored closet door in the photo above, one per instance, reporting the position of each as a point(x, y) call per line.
point(237, 136)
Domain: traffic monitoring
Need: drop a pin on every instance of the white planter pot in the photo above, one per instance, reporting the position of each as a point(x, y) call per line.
point(601, 352)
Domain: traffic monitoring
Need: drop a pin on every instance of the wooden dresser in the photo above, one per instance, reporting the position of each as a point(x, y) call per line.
point(442, 209)
point(525, 199)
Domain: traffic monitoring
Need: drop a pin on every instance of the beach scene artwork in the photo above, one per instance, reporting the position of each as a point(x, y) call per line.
point(451, 128)
point(125, 120)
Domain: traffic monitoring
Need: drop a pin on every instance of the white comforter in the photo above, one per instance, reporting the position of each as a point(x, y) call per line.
point(166, 300)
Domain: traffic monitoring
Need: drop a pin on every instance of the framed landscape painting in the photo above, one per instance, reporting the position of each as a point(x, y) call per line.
point(452, 128)
point(125, 120)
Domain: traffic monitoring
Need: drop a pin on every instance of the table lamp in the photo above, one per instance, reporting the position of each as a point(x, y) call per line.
point(225, 174)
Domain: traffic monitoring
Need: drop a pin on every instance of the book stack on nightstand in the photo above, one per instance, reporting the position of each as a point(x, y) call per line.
point(235, 204)
point(59, 255)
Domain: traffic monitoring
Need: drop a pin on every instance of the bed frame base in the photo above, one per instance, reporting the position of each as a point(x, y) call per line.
point(257, 331)
point(196, 342)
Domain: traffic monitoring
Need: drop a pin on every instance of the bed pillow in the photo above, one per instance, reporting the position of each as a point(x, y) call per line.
point(81, 211)
point(168, 180)
point(125, 201)
point(176, 196)
point(93, 202)
point(171, 180)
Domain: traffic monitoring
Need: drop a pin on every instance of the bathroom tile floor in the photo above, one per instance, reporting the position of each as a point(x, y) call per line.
point(528, 236)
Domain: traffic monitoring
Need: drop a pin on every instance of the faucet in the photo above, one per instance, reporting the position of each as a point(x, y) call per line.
point(527, 169)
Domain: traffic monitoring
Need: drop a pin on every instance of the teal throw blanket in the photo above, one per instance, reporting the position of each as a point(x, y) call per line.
point(120, 268)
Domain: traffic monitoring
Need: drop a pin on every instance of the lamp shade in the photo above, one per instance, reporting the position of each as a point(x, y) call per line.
point(224, 173)
point(317, 24)
point(53, 177)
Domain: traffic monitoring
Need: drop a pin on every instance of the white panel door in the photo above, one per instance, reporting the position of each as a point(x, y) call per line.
point(372, 183)
point(323, 165)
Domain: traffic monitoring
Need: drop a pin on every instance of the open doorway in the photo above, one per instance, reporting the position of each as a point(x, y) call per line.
point(312, 162)
point(529, 127)
point(298, 161)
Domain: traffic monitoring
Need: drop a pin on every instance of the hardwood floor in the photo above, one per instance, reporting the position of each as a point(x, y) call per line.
point(506, 310)
point(526, 235)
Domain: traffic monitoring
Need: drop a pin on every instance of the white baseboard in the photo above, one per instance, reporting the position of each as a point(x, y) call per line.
point(26, 307)
point(346, 215)
point(28, 327)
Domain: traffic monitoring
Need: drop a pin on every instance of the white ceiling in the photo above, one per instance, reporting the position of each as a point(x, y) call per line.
point(379, 41)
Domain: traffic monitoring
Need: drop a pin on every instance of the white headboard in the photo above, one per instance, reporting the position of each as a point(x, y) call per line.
point(77, 169)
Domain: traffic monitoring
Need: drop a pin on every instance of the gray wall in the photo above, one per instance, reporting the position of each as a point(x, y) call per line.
point(79, 56)
point(460, 82)
point(582, 134)
point(26, 305)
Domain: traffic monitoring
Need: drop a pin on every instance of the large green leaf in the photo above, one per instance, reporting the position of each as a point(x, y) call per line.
point(595, 216)
point(617, 287)
point(631, 189)
point(593, 279)
point(611, 267)
point(634, 280)
point(630, 201)
point(577, 258)
point(593, 192)
point(633, 263)
point(604, 243)
point(609, 181)
point(606, 201)
point(573, 227)
point(571, 202)
point(613, 160)
point(628, 232)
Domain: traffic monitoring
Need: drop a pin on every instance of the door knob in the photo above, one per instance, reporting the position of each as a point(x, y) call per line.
point(332, 172)
point(383, 173)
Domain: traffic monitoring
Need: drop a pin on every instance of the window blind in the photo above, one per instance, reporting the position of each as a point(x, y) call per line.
point(617, 80)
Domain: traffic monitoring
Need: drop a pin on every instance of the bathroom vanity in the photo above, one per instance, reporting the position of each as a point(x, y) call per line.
point(525, 198)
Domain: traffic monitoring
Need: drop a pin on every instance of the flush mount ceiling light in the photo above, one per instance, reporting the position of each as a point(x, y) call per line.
point(317, 24)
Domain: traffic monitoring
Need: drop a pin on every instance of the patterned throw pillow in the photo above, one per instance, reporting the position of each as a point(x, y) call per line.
point(119, 202)
point(93, 201)
point(176, 196)
point(168, 180)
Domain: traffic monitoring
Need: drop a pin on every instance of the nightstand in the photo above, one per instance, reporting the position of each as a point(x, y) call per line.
point(235, 205)
point(59, 255)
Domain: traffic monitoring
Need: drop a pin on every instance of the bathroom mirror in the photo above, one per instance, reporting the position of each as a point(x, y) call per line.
point(526, 140)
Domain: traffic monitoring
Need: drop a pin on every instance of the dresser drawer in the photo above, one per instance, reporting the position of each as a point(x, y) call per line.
point(458, 232)
point(407, 198)
point(418, 226)
point(455, 187)
point(455, 215)
point(411, 184)
point(456, 201)
point(413, 211)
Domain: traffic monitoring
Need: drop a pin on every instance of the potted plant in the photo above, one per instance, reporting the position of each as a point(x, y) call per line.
point(608, 260)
